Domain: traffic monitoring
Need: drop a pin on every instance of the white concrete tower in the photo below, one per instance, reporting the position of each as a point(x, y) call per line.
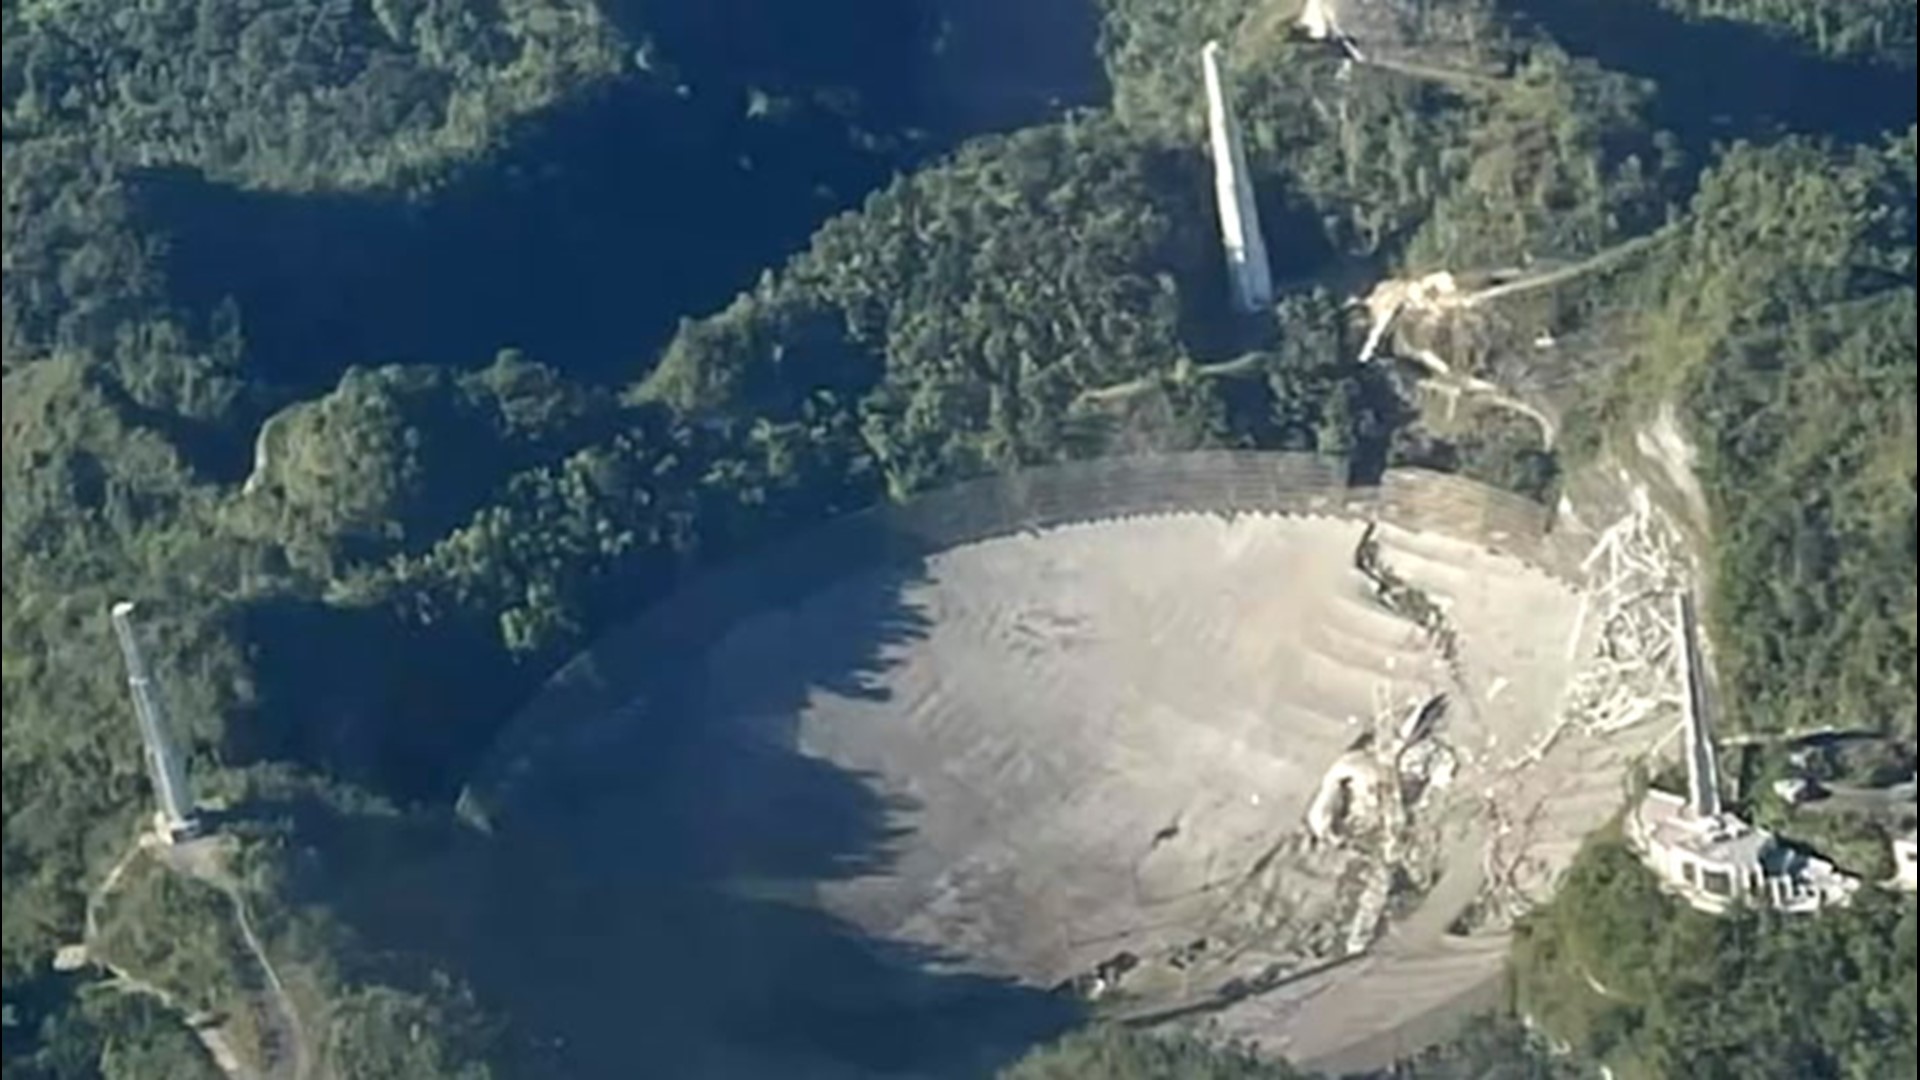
point(1248, 273)
point(1703, 768)
point(168, 773)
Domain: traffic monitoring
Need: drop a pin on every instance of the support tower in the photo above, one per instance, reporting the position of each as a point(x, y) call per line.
point(174, 818)
point(1703, 769)
point(1248, 273)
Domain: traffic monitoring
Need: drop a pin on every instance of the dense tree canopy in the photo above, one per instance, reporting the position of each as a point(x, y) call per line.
point(1124, 1054)
point(108, 1035)
point(1488, 1049)
point(1876, 29)
point(359, 544)
point(1632, 978)
point(302, 95)
point(1787, 318)
point(950, 310)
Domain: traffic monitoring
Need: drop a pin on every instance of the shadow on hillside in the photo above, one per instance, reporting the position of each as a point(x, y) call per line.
point(607, 220)
point(951, 68)
point(1721, 80)
point(582, 245)
point(366, 697)
point(643, 904)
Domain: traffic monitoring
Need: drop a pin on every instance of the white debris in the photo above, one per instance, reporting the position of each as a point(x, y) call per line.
point(1348, 793)
point(1316, 20)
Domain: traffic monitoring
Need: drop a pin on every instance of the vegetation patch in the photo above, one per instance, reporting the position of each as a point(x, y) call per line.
point(385, 353)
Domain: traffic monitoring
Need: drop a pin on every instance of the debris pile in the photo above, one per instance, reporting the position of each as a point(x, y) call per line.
point(1430, 294)
point(1398, 596)
point(1634, 573)
point(1632, 675)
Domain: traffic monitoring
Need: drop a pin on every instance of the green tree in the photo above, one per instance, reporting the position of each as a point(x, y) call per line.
point(1119, 1053)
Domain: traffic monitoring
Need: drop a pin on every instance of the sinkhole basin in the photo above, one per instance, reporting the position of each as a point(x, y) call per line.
point(907, 794)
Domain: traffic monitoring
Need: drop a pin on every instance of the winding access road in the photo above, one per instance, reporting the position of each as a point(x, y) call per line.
point(284, 1043)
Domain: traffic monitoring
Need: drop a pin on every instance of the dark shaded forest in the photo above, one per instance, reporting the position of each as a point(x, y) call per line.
point(389, 353)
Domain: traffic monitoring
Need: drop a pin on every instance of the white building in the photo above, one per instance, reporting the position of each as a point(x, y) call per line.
point(1903, 862)
point(1707, 856)
point(1717, 863)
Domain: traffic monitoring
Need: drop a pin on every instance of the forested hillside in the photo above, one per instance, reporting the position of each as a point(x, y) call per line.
point(387, 353)
point(1486, 1050)
point(1632, 978)
point(1790, 316)
point(1127, 1055)
point(1873, 29)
